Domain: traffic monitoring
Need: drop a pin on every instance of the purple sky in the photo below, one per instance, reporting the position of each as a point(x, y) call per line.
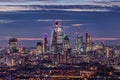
point(31, 19)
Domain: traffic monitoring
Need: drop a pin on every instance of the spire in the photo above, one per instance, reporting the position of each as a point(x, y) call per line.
point(57, 23)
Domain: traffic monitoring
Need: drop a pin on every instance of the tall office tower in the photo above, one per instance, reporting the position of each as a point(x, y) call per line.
point(45, 43)
point(87, 35)
point(66, 43)
point(13, 45)
point(66, 48)
point(88, 38)
point(57, 38)
point(78, 42)
point(107, 52)
point(39, 47)
point(88, 42)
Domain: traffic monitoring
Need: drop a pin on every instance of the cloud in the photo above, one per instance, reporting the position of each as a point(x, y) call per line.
point(30, 39)
point(66, 26)
point(106, 3)
point(104, 39)
point(47, 20)
point(61, 2)
point(17, 0)
point(114, 0)
point(58, 8)
point(85, 10)
point(73, 8)
point(17, 8)
point(26, 39)
point(77, 25)
point(5, 21)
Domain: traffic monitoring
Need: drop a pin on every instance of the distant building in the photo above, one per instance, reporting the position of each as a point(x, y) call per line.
point(13, 45)
point(45, 45)
point(66, 43)
point(66, 49)
point(88, 42)
point(78, 42)
point(98, 45)
point(39, 48)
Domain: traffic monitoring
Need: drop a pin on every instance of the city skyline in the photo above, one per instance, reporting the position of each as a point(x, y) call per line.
point(59, 39)
point(32, 19)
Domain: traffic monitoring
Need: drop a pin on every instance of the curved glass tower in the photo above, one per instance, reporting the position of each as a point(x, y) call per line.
point(57, 38)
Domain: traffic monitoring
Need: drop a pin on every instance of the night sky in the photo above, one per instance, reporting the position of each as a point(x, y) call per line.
point(34, 18)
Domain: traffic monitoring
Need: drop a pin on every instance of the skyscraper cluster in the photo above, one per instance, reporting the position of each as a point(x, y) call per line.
point(57, 48)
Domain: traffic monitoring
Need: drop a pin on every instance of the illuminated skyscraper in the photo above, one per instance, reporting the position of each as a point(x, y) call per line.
point(13, 45)
point(78, 42)
point(88, 39)
point(45, 43)
point(66, 43)
point(88, 42)
point(66, 47)
point(57, 38)
point(86, 36)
